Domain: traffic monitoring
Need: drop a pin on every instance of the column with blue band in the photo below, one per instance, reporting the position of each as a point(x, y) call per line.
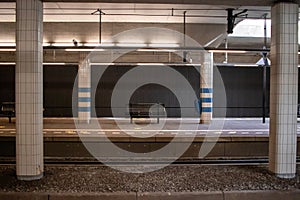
point(206, 88)
point(84, 92)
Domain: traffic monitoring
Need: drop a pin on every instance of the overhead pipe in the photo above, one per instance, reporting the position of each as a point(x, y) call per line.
point(100, 23)
point(226, 53)
point(184, 32)
point(266, 64)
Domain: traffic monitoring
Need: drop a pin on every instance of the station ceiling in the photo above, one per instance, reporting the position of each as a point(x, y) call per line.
point(145, 11)
point(162, 11)
point(200, 2)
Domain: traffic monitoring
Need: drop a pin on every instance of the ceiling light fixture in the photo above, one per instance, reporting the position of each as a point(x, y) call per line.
point(152, 64)
point(7, 44)
point(7, 63)
point(155, 50)
point(10, 49)
point(161, 45)
point(45, 63)
point(81, 49)
point(58, 44)
point(227, 51)
point(245, 65)
point(132, 45)
point(105, 64)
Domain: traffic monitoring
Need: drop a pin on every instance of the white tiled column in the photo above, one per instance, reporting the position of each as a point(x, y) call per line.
point(284, 90)
point(29, 89)
point(206, 88)
point(84, 91)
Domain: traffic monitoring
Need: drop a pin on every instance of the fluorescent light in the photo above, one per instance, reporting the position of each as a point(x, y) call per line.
point(79, 49)
point(79, 44)
point(106, 45)
point(98, 45)
point(50, 63)
point(227, 51)
point(54, 63)
point(7, 44)
point(70, 44)
point(7, 49)
point(47, 44)
point(131, 45)
point(102, 64)
point(236, 64)
point(245, 65)
point(59, 44)
point(7, 63)
point(156, 50)
point(157, 45)
point(146, 64)
point(89, 44)
point(59, 63)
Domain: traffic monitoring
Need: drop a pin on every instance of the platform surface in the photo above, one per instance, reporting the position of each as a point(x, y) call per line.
point(118, 126)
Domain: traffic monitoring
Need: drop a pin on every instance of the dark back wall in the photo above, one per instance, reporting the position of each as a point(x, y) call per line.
point(244, 91)
point(147, 93)
point(243, 87)
point(58, 88)
point(7, 84)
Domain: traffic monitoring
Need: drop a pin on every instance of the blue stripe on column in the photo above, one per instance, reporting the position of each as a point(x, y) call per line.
point(84, 89)
point(206, 90)
point(84, 109)
point(206, 100)
point(84, 99)
point(206, 109)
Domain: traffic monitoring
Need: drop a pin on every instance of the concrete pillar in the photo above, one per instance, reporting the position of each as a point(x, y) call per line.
point(84, 92)
point(29, 89)
point(284, 90)
point(206, 88)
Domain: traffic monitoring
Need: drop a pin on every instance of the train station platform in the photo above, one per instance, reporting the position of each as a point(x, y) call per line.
point(225, 126)
point(233, 137)
point(239, 138)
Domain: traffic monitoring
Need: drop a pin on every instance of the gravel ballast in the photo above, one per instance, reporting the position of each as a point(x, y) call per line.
point(183, 178)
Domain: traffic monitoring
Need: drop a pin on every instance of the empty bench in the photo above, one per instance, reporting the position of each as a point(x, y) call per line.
point(146, 110)
point(8, 109)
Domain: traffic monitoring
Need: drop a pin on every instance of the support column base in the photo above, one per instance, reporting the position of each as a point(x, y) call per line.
point(205, 121)
point(88, 121)
point(30, 178)
point(286, 176)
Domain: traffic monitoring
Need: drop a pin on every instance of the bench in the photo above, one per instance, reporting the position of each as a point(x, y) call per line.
point(146, 110)
point(8, 109)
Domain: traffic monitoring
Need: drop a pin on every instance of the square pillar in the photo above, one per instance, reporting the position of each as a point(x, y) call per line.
point(29, 89)
point(84, 92)
point(284, 90)
point(206, 88)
